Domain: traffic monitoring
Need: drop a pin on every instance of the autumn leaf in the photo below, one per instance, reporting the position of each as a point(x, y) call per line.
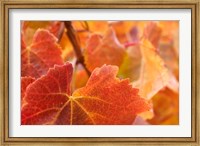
point(81, 78)
point(166, 108)
point(154, 75)
point(25, 81)
point(98, 26)
point(56, 28)
point(162, 35)
point(106, 50)
point(170, 30)
point(104, 100)
point(153, 32)
point(85, 28)
point(169, 54)
point(91, 26)
point(120, 69)
point(131, 65)
point(122, 28)
point(42, 54)
point(47, 95)
point(35, 24)
point(30, 27)
point(173, 83)
point(128, 31)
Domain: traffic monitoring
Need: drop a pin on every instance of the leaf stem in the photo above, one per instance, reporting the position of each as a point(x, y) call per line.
point(71, 33)
point(128, 44)
point(61, 31)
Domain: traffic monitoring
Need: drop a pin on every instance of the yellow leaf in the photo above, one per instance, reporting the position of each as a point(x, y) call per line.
point(154, 75)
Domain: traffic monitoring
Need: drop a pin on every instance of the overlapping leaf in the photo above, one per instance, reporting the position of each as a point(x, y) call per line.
point(106, 50)
point(85, 28)
point(25, 82)
point(168, 46)
point(166, 108)
point(163, 36)
point(127, 31)
point(42, 54)
point(153, 32)
point(47, 96)
point(81, 78)
point(154, 75)
point(131, 65)
point(30, 27)
point(145, 52)
point(104, 100)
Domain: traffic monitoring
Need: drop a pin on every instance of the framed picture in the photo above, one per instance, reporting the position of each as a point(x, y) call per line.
point(107, 72)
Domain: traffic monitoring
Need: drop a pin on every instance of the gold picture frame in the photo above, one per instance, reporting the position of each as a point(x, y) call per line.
point(127, 4)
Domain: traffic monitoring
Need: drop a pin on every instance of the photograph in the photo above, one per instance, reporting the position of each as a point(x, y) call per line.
point(105, 72)
point(99, 72)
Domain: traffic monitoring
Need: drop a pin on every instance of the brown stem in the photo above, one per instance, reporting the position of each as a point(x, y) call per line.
point(72, 37)
point(61, 31)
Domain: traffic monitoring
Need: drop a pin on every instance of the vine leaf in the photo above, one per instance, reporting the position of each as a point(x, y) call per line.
point(166, 108)
point(154, 75)
point(30, 27)
point(104, 100)
point(153, 32)
point(25, 82)
point(42, 54)
point(106, 50)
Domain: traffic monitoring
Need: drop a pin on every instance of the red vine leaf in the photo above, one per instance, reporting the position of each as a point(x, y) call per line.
point(30, 27)
point(47, 95)
point(104, 100)
point(42, 54)
point(56, 28)
point(25, 81)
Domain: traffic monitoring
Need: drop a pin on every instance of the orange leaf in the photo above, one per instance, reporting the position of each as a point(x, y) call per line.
point(35, 24)
point(42, 54)
point(166, 108)
point(85, 28)
point(30, 27)
point(154, 75)
point(91, 26)
point(153, 32)
point(106, 50)
point(128, 30)
point(169, 54)
point(98, 26)
point(104, 100)
point(170, 29)
point(81, 78)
